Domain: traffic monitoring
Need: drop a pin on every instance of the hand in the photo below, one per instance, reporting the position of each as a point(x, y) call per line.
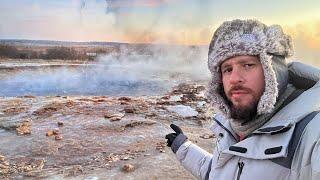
point(172, 136)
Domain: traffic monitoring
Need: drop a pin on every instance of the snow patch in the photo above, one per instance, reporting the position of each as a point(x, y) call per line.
point(175, 98)
point(182, 110)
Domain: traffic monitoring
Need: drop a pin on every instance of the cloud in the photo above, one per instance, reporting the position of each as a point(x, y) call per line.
point(306, 38)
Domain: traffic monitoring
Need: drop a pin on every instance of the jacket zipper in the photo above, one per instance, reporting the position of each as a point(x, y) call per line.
point(240, 165)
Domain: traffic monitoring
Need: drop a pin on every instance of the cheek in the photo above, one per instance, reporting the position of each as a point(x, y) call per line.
point(225, 85)
point(259, 83)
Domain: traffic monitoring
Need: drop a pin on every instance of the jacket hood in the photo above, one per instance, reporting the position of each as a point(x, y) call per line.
point(250, 37)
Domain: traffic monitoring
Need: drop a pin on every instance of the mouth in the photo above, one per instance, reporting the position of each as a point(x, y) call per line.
point(238, 93)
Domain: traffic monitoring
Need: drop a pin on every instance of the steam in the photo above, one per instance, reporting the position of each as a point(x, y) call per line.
point(188, 63)
point(126, 73)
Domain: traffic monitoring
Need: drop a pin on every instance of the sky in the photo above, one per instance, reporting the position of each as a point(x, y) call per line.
point(189, 22)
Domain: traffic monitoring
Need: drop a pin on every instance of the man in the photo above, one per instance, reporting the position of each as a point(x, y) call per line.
point(267, 122)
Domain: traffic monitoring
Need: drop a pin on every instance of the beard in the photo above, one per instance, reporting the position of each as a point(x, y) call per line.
point(242, 114)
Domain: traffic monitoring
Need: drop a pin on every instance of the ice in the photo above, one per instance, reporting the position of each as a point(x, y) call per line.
point(182, 110)
point(201, 104)
point(175, 98)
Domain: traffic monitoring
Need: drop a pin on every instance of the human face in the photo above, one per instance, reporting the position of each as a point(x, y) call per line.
point(243, 81)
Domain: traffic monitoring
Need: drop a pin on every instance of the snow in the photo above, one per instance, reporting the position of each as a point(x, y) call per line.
point(175, 98)
point(201, 104)
point(182, 110)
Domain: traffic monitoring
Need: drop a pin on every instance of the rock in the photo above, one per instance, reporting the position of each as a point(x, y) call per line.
point(74, 170)
point(161, 102)
point(70, 103)
point(49, 109)
point(188, 97)
point(201, 104)
point(24, 128)
point(124, 99)
point(152, 114)
point(129, 109)
point(56, 132)
point(175, 98)
point(58, 137)
point(112, 158)
point(60, 123)
point(128, 168)
point(125, 158)
point(160, 146)
point(182, 110)
point(4, 167)
point(134, 123)
point(15, 110)
point(207, 136)
point(49, 133)
point(29, 96)
point(166, 97)
point(1, 158)
point(114, 117)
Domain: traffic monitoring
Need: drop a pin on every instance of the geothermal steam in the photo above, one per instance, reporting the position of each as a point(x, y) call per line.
point(114, 74)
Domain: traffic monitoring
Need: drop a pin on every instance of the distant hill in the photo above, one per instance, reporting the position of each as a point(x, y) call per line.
point(24, 42)
point(46, 49)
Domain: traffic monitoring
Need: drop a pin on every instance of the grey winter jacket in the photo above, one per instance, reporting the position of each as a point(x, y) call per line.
point(253, 158)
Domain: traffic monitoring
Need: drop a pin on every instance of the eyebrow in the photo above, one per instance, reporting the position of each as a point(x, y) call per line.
point(241, 61)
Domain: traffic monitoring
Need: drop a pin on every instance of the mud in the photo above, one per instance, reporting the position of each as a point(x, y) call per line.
point(98, 137)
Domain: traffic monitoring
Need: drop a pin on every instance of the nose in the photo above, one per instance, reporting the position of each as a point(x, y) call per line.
point(236, 76)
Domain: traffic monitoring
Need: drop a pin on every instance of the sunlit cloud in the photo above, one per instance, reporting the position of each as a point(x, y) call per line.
point(307, 32)
point(306, 38)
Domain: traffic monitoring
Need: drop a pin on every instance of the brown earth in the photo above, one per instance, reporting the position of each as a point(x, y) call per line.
point(98, 137)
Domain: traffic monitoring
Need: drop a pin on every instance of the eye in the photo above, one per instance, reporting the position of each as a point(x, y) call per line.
point(249, 65)
point(226, 70)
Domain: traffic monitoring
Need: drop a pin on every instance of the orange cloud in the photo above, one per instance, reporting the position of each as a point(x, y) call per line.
point(306, 39)
point(306, 34)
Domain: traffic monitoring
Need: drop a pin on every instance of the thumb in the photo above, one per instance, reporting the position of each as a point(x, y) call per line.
point(176, 128)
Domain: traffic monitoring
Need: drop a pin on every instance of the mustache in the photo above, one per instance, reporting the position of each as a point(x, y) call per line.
point(237, 88)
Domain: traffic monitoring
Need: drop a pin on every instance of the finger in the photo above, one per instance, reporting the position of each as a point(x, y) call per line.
point(169, 143)
point(171, 136)
point(176, 128)
point(168, 136)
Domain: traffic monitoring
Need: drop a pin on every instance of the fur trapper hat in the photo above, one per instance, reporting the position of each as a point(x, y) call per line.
point(250, 37)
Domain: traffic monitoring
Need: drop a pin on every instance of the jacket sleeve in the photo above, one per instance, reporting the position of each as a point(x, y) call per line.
point(315, 162)
point(306, 161)
point(194, 159)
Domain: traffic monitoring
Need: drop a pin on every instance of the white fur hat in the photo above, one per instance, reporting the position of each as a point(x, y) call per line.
point(249, 37)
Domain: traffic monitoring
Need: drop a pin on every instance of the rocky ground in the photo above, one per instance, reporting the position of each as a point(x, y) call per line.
point(99, 137)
